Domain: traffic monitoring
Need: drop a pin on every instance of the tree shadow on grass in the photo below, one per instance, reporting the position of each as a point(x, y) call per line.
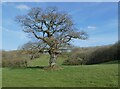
point(45, 67)
point(37, 67)
point(112, 62)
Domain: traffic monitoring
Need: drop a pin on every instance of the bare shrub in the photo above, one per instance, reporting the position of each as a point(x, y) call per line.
point(14, 59)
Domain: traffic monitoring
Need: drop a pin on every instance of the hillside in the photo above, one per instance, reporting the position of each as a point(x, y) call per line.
point(86, 55)
point(93, 55)
point(97, 75)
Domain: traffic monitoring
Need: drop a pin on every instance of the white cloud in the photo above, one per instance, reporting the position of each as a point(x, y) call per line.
point(23, 7)
point(91, 27)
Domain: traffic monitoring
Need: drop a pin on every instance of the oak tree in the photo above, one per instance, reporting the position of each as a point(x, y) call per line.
point(52, 28)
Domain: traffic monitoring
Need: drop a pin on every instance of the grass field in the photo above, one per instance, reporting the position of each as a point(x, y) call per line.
point(0, 77)
point(102, 75)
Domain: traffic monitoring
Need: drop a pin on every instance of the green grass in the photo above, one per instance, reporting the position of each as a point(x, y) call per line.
point(103, 75)
point(44, 61)
point(0, 77)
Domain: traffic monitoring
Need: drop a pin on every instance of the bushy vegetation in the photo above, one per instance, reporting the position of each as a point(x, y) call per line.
point(0, 58)
point(93, 55)
point(78, 56)
point(14, 59)
point(74, 59)
point(104, 54)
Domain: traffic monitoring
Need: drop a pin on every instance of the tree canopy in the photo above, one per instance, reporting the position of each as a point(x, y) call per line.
point(53, 29)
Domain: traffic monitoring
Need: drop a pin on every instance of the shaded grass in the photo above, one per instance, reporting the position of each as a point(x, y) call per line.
point(111, 62)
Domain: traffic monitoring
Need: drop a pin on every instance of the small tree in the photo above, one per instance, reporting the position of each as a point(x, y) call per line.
point(52, 28)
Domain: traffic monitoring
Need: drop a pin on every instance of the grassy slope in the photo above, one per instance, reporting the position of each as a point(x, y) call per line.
point(0, 77)
point(44, 61)
point(72, 76)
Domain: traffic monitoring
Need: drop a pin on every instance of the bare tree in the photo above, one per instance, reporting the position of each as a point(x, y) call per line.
point(52, 28)
point(33, 49)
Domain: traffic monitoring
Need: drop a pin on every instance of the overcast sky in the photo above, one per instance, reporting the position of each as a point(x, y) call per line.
point(98, 19)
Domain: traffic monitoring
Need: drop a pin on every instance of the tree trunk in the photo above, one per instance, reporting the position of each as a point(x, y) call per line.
point(52, 61)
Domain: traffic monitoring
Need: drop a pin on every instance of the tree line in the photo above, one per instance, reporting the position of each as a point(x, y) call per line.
point(93, 55)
